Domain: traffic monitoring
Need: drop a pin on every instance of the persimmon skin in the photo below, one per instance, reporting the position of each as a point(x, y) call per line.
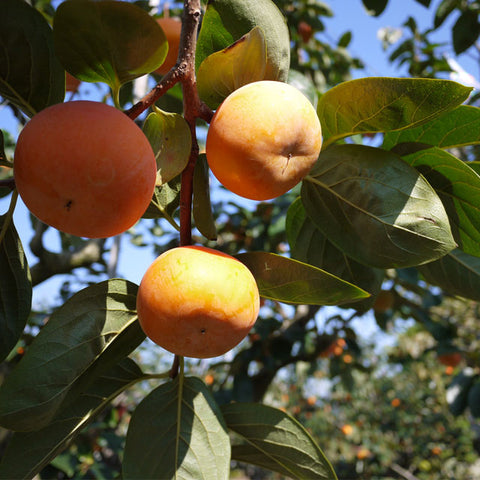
point(197, 302)
point(172, 28)
point(263, 139)
point(85, 168)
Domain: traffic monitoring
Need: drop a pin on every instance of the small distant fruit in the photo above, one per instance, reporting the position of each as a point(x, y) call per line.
point(172, 27)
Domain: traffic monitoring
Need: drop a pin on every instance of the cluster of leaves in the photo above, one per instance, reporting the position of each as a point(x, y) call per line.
point(361, 212)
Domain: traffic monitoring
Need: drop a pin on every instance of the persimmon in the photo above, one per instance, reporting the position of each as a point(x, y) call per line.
point(172, 27)
point(452, 359)
point(197, 302)
point(85, 168)
point(263, 139)
point(385, 301)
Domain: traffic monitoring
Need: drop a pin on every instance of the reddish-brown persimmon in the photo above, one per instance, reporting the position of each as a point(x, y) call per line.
point(172, 28)
point(263, 139)
point(197, 302)
point(85, 168)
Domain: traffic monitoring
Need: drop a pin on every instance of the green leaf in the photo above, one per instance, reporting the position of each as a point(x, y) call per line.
point(458, 186)
point(456, 128)
point(15, 289)
point(457, 273)
point(376, 104)
point(457, 392)
point(290, 281)
point(108, 41)
point(465, 31)
point(177, 431)
point(304, 84)
point(29, 452)
point(222, 72)
point(165, 202)
point(276, 441)
point(474, 399)
point(91, 332)
point(30, 75)
point(376, 208)
point(202, 208)
point(309, 245)
point(171, 140)
point(226, 21)
point(375, 7)
point(444, 9)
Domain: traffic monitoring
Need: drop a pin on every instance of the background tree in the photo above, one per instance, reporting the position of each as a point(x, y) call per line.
point(309, 359)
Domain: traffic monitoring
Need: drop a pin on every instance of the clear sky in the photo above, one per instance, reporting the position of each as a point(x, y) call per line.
point(349, 15)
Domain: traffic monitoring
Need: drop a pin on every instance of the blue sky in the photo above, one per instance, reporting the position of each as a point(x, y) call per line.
point(349, 15)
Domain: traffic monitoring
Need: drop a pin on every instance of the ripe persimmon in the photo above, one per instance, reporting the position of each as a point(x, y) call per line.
point(263, 139)
point(85, 168)
point(197, 302)
point(172, 27)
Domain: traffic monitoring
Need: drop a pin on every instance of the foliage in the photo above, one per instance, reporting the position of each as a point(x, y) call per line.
point(401, 215)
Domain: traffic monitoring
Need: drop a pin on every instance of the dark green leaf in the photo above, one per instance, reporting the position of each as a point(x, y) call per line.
point(202, 208)
point(375, 7)
point(226, 21)
point(177, 431)
point(458, 186)
point(276, 441)
point(457, 273)
point(345, 40)
point(383, 104)
point(425, 3)
point(309, 245)
point(15, 289)
point(474, 399)
point(376, 208)
point(91, 332)
point(171, 140)
point(456, 128)
point(444, 9)
point(222, 72)
point(290, 281)
point(465, 31)
point(108, 41)
point(29, 452)
point(30, 75)
point(457, 392)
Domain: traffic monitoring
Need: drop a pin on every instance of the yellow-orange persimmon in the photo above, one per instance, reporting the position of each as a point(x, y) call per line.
point(172, 27)
point(263, 139)
point(85, 168)
point(197, 302)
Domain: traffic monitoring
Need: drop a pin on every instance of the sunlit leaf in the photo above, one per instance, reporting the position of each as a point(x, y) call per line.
point(290, 281)
point(202, 207)
point(15, 289)
point(457, 273)
point(376, 208)
point(378, 104)
point(165, 202)
point(276, 441)
point(226, 21)
point(177, 431)
point(309, 245)
point(171, 140)
point(223, 72)
point(459, 189)
point(456, 128)
point(88, 334)
point(29, 452)
point(30, 75)
point(108, 41)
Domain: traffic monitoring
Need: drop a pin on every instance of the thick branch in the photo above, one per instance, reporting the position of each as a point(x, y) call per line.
point(51, 263)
